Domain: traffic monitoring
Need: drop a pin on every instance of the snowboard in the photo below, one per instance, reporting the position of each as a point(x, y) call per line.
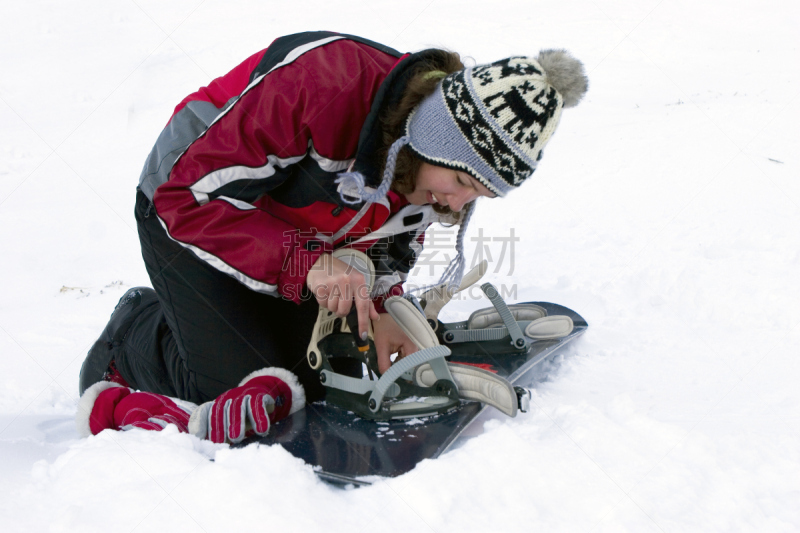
point(344, 448)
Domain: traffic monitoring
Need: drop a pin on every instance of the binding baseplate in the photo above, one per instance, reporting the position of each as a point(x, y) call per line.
point(425, 383)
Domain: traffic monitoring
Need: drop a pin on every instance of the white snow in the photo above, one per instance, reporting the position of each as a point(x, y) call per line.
point(666, 210)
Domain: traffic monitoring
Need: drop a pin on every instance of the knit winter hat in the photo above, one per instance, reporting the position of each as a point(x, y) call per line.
point(492, 121)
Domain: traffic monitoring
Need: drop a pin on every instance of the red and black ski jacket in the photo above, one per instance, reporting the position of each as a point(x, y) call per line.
point(243, 174)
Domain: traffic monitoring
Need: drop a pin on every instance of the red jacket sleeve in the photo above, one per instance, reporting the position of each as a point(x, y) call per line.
point(210, 203)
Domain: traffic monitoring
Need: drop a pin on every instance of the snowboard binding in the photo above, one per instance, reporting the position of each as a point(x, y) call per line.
point(500, 329)
point(425, 383)
point(380, 397)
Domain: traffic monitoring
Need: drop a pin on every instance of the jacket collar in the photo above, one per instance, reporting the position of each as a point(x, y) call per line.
point(368, 159)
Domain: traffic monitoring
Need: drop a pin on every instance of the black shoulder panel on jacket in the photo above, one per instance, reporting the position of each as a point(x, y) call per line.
point(282, 46)
point(368, 160)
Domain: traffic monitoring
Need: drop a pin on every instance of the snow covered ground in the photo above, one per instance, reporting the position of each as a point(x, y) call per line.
point(666, 211)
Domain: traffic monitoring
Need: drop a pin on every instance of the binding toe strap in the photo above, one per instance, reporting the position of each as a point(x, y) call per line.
point(475, 384)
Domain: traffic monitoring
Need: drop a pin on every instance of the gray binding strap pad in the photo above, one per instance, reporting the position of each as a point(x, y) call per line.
point(545, 328)
point(475, 384)
point(411, 322)
point(488, 317)
point(550, 327)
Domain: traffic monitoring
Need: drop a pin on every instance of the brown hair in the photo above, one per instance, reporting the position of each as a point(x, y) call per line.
point(426, 77)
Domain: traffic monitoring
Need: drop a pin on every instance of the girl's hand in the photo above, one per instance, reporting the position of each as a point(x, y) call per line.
point(335, 285)
point(390, 338)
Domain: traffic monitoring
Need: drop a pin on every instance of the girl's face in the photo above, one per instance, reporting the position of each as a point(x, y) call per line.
point(446, 187)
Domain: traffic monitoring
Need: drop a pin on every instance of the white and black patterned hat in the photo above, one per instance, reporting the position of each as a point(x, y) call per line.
point(492, 121)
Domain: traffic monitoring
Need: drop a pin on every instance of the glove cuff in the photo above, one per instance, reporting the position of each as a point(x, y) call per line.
point(198, 422)
point(86, 404)
point(298, 392)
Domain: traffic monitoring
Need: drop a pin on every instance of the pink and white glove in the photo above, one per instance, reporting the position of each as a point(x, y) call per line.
point(108, 405)
point(263, 397)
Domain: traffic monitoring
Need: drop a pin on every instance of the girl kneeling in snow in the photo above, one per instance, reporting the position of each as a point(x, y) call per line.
point(319, 142)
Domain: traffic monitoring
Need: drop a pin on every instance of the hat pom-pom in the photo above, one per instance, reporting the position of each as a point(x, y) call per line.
point(565, 74)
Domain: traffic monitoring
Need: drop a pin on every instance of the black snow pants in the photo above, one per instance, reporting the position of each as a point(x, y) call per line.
point(207, 331)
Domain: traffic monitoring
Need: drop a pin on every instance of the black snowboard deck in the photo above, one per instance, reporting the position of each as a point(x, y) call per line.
point(343, 447)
